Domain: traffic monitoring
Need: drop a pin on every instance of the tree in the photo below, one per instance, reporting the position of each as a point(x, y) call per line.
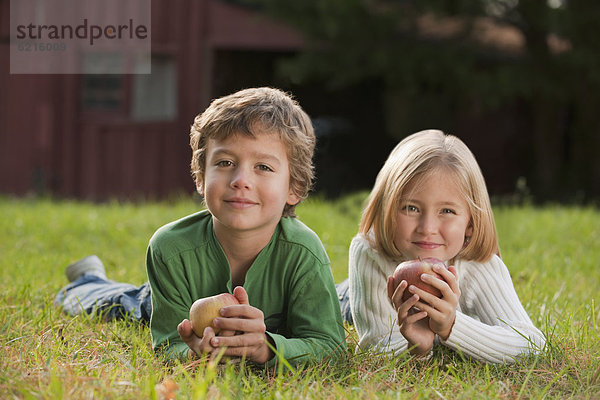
point(538, 54)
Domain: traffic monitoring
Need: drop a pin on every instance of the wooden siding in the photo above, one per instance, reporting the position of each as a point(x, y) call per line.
point(49, 144)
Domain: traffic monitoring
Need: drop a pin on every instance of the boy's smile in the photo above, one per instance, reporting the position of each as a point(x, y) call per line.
point(247, 183)
point(240, 202)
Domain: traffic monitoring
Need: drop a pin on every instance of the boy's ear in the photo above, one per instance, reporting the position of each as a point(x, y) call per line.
point(292, 198)
point(200, 188)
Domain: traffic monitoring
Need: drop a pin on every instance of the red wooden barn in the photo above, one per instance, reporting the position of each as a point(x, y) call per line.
point(126, 136)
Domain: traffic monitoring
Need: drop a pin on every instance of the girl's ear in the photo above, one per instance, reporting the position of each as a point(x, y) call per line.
point(469, 231)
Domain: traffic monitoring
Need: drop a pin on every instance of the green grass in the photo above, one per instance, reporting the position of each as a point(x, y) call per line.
point(553, 254)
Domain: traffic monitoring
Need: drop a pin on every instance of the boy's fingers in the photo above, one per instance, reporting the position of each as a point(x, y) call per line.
point(185, 329)
point(241, 324)
point(203, 345)
point(240, 294)
point(239, 341)
point(241, 311)
point(251, 345)
point(198, 345)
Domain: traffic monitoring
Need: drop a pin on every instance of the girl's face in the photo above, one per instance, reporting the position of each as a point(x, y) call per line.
point(433, 220)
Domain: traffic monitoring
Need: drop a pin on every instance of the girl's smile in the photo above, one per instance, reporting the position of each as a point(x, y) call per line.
point(434, 218)
point(427, 245)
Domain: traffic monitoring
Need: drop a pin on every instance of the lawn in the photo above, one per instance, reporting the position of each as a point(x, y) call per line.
point(552, 253)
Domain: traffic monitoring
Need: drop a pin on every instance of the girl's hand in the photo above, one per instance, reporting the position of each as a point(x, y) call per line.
point(414, 324)
point(441, 311)
point(249, 323)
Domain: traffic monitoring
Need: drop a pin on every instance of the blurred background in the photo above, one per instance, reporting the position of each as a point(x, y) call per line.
point(517, 80)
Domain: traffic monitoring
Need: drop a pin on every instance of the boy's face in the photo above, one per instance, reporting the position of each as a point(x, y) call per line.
point(247, 182)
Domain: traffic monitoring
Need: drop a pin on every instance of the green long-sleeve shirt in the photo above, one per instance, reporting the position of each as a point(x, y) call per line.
point(290, 282)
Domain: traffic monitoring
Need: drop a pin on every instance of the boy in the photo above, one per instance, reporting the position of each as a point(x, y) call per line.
point(251, 161)
point(252, 164)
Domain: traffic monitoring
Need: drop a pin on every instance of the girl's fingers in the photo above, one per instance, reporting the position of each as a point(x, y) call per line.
point(424, 295)
point(406, 307)
point(449, 276)
point(414, 317)
point(390, 288)
point(398, 293)
point(454, 282)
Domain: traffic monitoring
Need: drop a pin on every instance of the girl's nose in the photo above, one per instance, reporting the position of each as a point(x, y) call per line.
point(427, 224)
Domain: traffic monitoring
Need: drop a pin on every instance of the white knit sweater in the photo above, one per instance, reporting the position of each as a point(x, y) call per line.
point(491, 324)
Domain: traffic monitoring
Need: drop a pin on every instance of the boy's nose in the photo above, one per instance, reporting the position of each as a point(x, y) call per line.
point(240, 179)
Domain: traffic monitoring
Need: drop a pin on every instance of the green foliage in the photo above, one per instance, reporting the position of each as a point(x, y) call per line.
point(446, 64)
point(416, 45)
point(552, 253)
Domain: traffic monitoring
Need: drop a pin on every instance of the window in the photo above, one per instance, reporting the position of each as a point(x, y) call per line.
point(140, 97)
point(102, 92)
point(154, 95)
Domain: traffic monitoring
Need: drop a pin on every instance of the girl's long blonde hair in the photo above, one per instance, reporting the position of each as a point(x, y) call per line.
point(413, 159)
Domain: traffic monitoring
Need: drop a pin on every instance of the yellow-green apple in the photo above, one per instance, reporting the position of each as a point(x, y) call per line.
point(203, 311)
point(411, 272)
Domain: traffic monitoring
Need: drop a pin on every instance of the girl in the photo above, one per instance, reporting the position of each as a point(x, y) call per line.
point(430, 200)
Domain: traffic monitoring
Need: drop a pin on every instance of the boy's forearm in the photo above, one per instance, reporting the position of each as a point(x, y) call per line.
point(299, 351)
point(173, 351)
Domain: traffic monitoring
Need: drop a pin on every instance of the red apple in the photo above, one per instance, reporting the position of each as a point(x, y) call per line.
point(411, 271)
point(206, 309)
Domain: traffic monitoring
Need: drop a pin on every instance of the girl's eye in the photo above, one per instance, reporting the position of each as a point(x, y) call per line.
point(448, 211)
point(409, 208)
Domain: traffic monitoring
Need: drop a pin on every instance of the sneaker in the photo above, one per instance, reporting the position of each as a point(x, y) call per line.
point(87, 265)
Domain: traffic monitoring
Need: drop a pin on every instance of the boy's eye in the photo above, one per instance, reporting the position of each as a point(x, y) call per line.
point(224, 163)
point(264, 167)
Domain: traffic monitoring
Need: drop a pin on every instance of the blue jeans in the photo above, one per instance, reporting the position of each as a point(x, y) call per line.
point(343, 293)
point(113, 300)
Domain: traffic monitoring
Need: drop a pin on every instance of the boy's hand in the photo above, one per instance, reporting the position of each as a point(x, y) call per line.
point(249, 324)
point(197, 345)
point(414, 324)
point(441, 311)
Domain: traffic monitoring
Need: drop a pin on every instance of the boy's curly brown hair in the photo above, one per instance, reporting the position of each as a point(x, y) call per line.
point(249, 112)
